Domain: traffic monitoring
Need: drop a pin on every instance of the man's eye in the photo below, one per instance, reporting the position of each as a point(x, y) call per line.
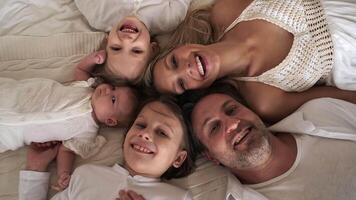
point(231, 110)
point(115, 48)
point(113, 99)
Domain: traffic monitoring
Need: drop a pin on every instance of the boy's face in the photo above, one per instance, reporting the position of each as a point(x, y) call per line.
point(129, 49)
point(113, 105)
point(153, 143)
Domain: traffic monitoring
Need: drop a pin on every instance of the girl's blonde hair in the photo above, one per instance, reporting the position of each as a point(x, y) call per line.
point(194, 29)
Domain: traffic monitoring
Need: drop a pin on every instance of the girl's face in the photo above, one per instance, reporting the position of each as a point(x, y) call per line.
point(113, 105)
point(129, 48)
point(154, 142)
point(186, 67)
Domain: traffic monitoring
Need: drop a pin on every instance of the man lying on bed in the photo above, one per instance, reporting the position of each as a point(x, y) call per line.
point(308, 155)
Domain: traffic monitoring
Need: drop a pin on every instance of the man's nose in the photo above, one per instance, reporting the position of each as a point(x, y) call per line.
point(232, 125)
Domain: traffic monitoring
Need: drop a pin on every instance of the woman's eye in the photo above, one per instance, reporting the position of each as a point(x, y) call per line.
point(113, 99)
point(115, 48)
point(215, 127)
point(174, 62)
point(137, 51)
point(181, 84)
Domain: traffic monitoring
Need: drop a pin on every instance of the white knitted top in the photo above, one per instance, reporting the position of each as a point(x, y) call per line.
point(311, 56)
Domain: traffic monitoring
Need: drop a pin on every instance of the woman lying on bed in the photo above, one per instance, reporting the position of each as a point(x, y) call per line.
point(278, 53)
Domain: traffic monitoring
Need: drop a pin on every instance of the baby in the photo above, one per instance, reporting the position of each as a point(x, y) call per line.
point(129, 46)
point(41, 110)
point(156, 147)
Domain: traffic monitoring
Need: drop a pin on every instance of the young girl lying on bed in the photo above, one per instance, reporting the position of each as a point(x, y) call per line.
point(156, 146)
point(42, 110)
point(129, 45)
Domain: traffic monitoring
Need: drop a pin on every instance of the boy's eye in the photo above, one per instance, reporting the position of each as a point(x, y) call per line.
point(137, 51)
point(113, 99)
point(114, 48)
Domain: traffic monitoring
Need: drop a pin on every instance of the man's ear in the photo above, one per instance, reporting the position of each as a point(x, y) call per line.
point(182, 155)
point(111, 122)
point(210, 157)
point(155, 49)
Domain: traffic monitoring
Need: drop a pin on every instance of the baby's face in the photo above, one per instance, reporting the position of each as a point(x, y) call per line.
point(113, 105)
point(153, 143)
point(128, 49)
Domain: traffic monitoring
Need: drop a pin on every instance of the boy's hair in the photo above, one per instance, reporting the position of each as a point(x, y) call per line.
point(190, 98)
point(194, 29)
point(188, 164)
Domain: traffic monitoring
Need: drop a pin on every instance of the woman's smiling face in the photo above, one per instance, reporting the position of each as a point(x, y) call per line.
point(186, 67)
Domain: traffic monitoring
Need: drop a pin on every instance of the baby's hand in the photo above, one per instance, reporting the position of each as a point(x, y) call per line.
point(62, 182)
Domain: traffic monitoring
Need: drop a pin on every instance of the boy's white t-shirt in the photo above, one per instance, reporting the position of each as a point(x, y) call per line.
point(42, 110)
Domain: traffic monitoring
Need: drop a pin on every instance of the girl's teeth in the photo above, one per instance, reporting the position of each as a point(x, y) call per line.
point(200, 66)
point(142, 149)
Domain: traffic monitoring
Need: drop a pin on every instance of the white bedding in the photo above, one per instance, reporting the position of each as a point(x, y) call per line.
point(41, 38)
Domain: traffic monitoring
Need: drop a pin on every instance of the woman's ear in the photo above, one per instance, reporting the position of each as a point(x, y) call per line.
point(111, 122)
point(182, 155)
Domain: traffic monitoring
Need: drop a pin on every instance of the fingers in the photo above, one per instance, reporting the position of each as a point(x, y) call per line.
point(129, 195)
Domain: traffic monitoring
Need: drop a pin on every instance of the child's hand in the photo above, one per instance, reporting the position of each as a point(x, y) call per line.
point(129, 195)
point(62, 182)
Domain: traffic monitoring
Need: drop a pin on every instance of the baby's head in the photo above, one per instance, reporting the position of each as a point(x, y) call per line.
point(129, 49)
point(114, 106)
point(157, 144)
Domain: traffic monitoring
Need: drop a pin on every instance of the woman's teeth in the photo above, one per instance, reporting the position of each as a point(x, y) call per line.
point(200, 66)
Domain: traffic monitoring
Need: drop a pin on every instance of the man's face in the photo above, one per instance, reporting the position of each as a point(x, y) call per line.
point(232, 133)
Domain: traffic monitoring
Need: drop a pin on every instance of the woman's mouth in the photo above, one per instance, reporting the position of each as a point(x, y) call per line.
point(201, 65)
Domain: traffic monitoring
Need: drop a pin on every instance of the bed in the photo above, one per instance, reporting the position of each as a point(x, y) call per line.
point(40, 38)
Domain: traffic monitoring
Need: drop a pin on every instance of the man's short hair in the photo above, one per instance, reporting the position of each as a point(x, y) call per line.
point(189, 100)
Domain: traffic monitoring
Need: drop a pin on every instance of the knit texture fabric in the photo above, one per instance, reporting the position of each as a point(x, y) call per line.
point(311, 56)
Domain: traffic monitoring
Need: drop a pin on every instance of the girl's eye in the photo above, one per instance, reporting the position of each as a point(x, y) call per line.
point(137, 51)
point(162, 133)
point(113, 99)
point(215, 127)
point(114, 48)
point(174, 62)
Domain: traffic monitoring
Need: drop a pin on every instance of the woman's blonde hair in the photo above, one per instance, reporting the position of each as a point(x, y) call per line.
point(194, 29)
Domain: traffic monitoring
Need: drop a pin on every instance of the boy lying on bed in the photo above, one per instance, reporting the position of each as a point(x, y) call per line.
point(42, 110)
